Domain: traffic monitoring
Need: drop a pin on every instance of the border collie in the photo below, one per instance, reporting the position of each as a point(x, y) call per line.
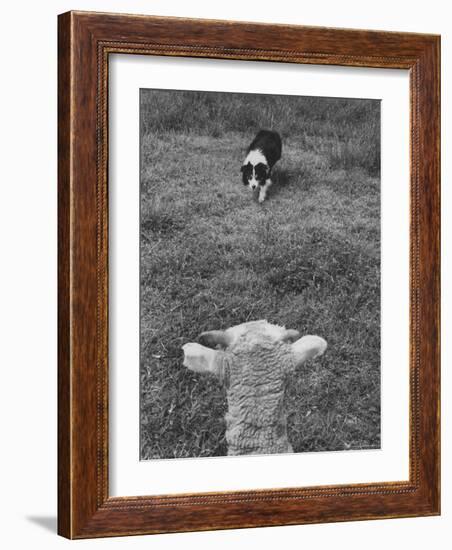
point(263, 153)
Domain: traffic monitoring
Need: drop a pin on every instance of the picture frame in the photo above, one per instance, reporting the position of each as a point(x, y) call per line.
point(85, 42)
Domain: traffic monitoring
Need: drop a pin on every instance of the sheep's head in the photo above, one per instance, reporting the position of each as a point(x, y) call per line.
point(258, 343)
point(253, 359)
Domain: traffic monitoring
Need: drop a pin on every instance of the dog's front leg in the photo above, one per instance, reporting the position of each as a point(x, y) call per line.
point(263, 190)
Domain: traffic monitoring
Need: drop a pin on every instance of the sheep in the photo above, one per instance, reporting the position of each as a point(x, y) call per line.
point(253, 360)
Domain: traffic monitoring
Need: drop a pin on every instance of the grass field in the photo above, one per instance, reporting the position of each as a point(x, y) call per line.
point(212, 257)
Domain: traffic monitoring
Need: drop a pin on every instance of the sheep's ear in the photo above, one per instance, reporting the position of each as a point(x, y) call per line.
point(290, 335)
point(214, 338)
point(308, 347)
point(201, 359)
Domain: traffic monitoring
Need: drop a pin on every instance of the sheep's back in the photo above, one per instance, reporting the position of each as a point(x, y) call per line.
point(257, 378)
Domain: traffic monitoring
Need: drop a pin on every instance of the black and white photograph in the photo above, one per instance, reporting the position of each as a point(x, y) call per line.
point(259, 274)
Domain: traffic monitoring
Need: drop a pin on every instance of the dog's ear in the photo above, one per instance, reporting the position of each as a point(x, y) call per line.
point(244, 170)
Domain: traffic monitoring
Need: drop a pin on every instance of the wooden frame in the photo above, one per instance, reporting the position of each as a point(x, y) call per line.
point(84, 44)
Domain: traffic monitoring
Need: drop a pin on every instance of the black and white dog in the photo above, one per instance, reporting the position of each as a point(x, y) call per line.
point(263, 153)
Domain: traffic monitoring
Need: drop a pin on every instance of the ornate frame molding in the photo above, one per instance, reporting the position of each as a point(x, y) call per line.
point(85, 42)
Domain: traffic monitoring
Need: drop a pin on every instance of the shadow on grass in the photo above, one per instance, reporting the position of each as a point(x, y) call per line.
point(285, 179)
point(281, 177)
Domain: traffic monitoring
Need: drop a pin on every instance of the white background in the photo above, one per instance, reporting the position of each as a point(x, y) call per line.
point(128, 476)
point(28, 271)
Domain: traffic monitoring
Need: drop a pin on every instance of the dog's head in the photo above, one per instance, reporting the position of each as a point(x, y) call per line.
point(255, 175)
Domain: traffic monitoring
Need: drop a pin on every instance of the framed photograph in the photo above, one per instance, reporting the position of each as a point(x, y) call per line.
point(248, 275)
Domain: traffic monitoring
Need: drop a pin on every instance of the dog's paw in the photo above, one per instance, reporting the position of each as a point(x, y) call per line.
point(261, 199)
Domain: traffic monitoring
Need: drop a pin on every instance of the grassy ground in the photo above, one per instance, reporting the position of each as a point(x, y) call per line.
point(212, 257)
